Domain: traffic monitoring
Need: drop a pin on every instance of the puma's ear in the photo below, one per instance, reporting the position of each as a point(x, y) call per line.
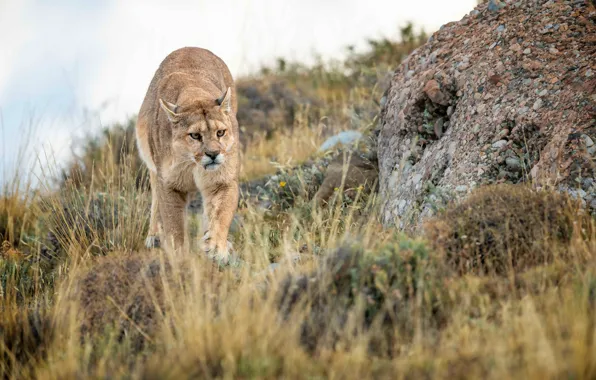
point(170, 110)
point(225, 102)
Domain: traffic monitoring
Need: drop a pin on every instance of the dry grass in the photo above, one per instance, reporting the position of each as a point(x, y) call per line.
point(290, 148)
point(81, 298)
point(508, 227)
point(348, 300)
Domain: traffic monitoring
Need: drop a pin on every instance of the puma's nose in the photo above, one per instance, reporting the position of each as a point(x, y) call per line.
point(211, 154)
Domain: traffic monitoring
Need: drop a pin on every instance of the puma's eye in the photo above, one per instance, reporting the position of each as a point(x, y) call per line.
point(221, 132)
point(195, 136)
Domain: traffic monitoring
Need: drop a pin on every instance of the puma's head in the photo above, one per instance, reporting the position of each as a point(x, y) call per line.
point(202, 131)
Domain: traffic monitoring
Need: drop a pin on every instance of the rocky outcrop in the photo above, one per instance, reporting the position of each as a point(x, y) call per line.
point(507, 94)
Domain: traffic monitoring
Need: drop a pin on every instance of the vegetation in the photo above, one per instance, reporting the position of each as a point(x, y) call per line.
point(499, 286)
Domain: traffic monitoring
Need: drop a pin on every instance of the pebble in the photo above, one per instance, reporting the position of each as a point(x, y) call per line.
point(273, 266)
point(527, 51)
point(416, 178)
point(462, 66)
point(499, 144)
point(587, 140)
point(589, 73)
point(537, 104)
point(513, 163)
point(522, 110)
point(543, 93)
point(587, 183)
point(402, 205)
point(461, 188)
point(501, 28)
point(553, 50)
point(495, 5)
point(503, 133)
point(439, 127)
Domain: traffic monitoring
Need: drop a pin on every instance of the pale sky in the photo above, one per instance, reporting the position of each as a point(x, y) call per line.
point(68, 67)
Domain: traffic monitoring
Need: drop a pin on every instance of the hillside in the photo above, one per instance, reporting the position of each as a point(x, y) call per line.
point(496, 281)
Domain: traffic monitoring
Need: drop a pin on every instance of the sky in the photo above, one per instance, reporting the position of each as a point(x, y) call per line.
point(68, 68)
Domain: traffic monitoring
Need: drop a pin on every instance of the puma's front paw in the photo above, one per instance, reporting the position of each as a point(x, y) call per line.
point(217, 252)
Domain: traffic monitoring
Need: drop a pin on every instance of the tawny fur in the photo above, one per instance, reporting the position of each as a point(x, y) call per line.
point(191, 97)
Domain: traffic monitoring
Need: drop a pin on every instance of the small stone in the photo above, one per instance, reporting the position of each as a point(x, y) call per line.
point(273, 266)
point(495, 5)
point(527, 51)
point(438, 127)
point(462, 66)
point(589, 73)
point(553, 50)
point(416, 178)
point(543, 92)
point(461, 188)
point(537, 104)
point(515, 47)
point(513, 163)
point(501, 28)
point(449, 111)
point(522, 110)
point(402, 206)
point(503, 133)
point(587, 140)
point(499, 144)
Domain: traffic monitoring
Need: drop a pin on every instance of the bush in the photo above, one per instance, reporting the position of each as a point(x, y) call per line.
point(385, 288)
point(24, 339)
point(505, 228)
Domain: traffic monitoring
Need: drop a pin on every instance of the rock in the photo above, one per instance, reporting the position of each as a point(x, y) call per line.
point(513, 163)
point(499, 144)
point(495, 5)
point(360, 175)
point(343, 138)
point(587, 140)
point(516, 78)
point(537, 104)
point(439, 127)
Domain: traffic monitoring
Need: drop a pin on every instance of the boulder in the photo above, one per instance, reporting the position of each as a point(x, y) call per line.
point(505, 95)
